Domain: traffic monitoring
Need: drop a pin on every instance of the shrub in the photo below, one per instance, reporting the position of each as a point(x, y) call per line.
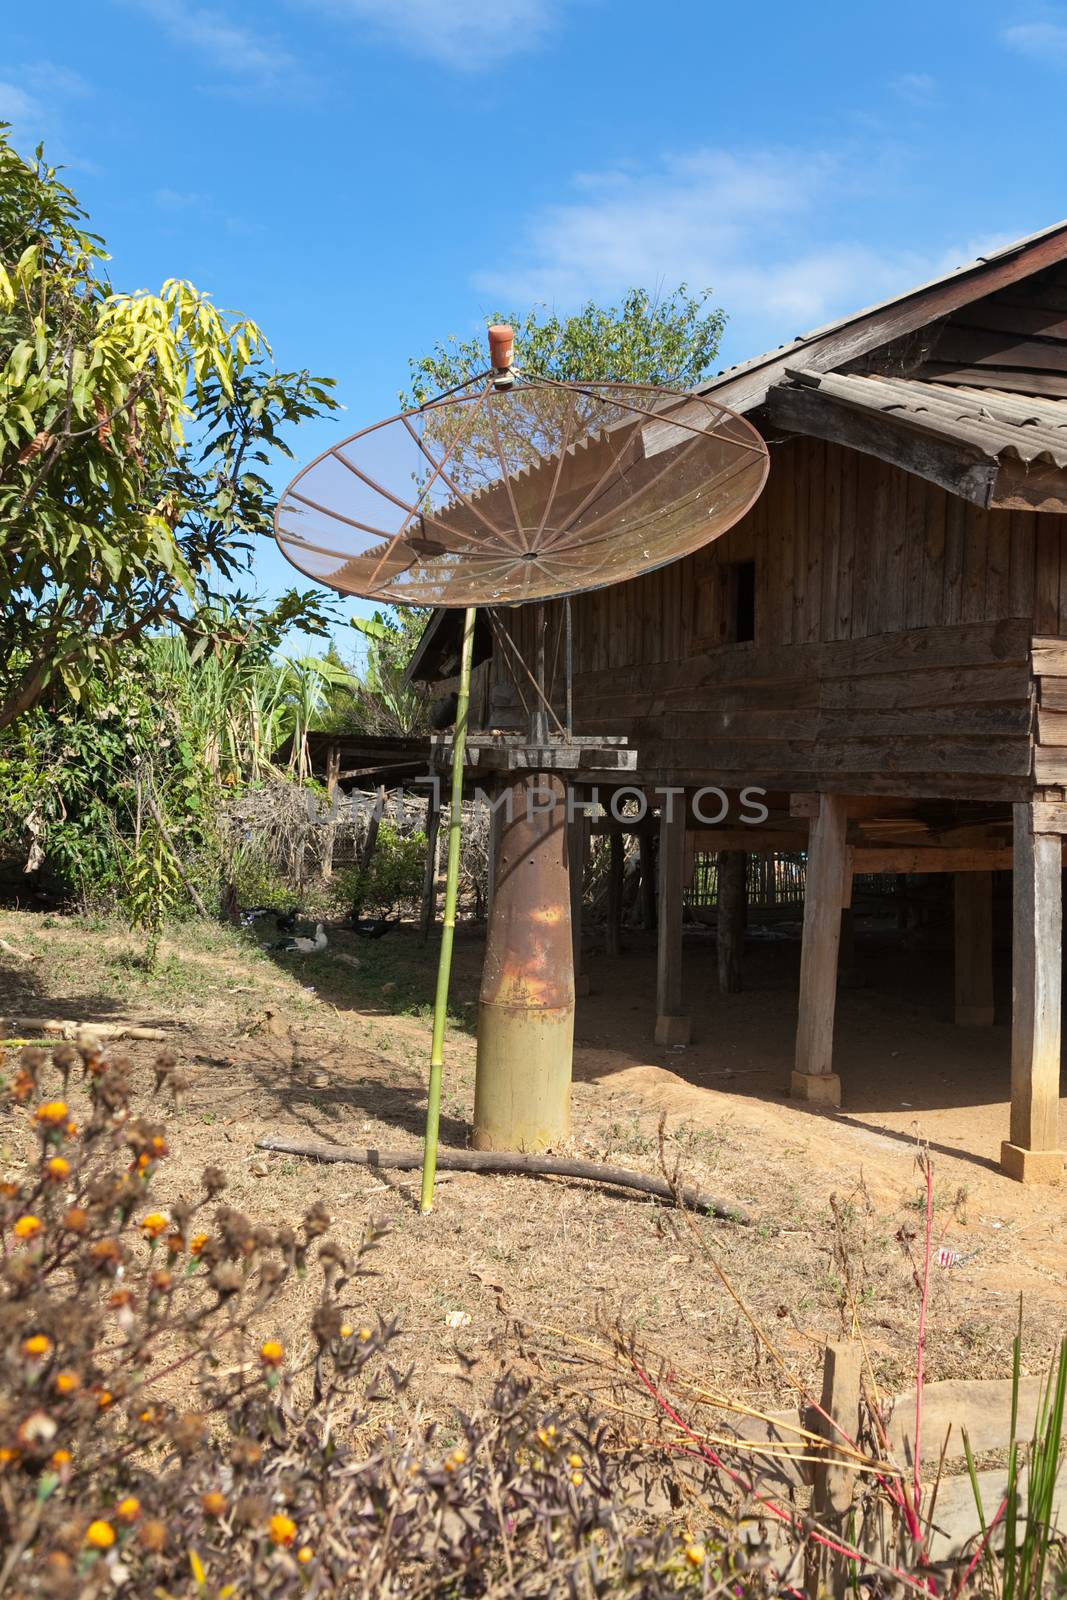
point(393, 877)
point(160, 1435)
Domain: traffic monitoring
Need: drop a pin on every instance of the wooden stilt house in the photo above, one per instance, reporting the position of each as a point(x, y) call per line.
point(880, 645)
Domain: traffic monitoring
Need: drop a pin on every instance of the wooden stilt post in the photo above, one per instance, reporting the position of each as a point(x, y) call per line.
point(647, 845)
point(1031, 1153)
point(732, 914)
point(616, 872)
point(974, 948)
point(577, 850)
point(672, 1027)
point(824, 891)
point(428, 913)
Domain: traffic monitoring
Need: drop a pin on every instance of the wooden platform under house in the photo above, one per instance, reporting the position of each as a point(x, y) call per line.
point(880, 647)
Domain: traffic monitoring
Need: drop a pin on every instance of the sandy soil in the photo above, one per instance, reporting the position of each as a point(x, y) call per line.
point(334, 1048)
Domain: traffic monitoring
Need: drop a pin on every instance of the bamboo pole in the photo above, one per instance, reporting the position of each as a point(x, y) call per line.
point(448, 921)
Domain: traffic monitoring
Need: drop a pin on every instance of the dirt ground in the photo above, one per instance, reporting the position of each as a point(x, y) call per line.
point(333, 1048)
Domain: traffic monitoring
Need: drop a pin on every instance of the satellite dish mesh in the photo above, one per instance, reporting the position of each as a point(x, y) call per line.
point(499, 494)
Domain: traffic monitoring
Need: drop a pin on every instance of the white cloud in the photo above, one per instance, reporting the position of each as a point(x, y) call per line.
point(917, 87)
point(239, 53)
point(466, 34)
point(176, 199)
point(1043, 41)
point(33, 97)
point(762, 229)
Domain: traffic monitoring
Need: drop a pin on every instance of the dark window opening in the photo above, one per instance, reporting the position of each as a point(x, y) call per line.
point(741, 615)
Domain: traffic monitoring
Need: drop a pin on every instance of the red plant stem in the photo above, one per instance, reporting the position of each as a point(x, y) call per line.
point(920, 1357)
point(980, 1552)
point(771, 1505)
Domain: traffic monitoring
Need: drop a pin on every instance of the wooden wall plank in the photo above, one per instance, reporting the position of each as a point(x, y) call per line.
point(975, 551)
point(952, 590)
point(1047, 576)
point(1023, 541)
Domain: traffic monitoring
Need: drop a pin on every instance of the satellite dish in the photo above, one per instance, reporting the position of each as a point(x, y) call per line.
point(513, 489)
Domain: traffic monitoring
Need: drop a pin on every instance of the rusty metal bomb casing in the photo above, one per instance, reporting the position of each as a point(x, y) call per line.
point(526, 1010)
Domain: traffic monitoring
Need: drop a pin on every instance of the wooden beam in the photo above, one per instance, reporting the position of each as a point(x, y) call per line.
point(730, 922)
point(961, 469)
point(577, 850)
point(672, 1026)
point(813, 1075)
point(932, 858)
point(1031, 1152)
point(974, 949)
point(856, 806)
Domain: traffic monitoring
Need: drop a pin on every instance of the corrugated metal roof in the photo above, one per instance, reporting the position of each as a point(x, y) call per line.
point(995, 421)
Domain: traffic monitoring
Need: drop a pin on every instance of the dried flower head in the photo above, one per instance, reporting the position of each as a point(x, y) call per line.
point(282, 1529)
point(53, 1113)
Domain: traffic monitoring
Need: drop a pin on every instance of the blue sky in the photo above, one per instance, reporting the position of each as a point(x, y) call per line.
point(367, 176)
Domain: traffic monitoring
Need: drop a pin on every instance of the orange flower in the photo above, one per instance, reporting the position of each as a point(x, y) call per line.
point(9, 1190)
point(52, 1113)
point(7, 1457)
point(104, 1399)
point(272, 1353)
point(153, 1225)
point(213, 1504)
point(27, 1226)
point(76, 1220)
point(38, 1344)
point(282, 1529)
point(197, 1243)
point(101, 1535)
point(58, 1168)
point(67, 1381)
point(129, 1509)
point(694, 1554)
point(61, 1458)
point(305, 1554)
point(175, 1243)
point(71, 1129)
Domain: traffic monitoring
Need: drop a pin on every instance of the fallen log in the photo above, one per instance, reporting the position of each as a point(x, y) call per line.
point(508, 1161)
point(60, 1028)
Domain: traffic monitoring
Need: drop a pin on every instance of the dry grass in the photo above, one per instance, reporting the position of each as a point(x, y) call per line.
point(330, 1050)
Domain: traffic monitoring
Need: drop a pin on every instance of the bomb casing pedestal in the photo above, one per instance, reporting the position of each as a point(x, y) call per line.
point(522, 1090)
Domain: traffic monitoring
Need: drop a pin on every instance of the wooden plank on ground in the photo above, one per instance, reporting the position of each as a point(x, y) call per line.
point(981, 1405)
